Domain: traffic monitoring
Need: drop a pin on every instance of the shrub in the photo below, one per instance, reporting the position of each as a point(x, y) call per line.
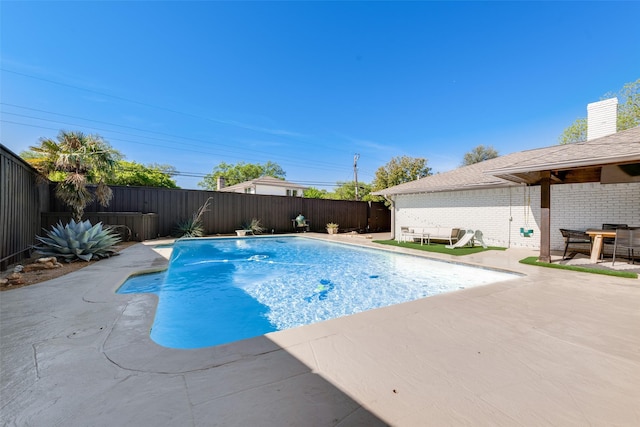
point(189, 228)
point(254, 227)
point(193, 227)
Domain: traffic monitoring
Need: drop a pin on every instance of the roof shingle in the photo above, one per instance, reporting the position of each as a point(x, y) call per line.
point(621, 147)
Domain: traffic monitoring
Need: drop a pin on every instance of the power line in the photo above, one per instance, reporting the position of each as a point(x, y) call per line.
point(232, 152)
point(187, 173)
point(311, 165)
point(170, 110)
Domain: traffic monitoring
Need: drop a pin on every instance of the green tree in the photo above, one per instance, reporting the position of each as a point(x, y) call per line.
point(240, 172)
point(400, 170)
point(132, 173)
point(315, 193)
point(575, 132)
point(77, 159)
point(346, 190)
point(629, 110)
point(479, 154)
point(628, 114)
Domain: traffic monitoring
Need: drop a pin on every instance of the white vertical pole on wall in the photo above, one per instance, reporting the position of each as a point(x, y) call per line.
point(510, 220)
point(393, 215)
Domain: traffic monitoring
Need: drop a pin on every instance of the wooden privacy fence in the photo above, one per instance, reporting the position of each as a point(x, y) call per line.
point(22, 198)
point(229, 211)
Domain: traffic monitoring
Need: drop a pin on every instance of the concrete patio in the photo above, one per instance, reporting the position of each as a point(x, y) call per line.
point(550, 348)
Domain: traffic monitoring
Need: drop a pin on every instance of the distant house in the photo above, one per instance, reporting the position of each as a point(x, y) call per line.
point(575, 186)
point(265, 185)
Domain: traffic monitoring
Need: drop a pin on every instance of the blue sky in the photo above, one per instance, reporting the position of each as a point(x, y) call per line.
point(309, 84)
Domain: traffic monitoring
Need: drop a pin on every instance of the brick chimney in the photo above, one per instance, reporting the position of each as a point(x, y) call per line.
point(601, 118)
point(220, 184)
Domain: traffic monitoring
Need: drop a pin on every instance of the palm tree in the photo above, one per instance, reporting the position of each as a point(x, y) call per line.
point(75, 161)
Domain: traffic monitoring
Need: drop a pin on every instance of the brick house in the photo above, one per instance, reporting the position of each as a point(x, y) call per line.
point(576, 186)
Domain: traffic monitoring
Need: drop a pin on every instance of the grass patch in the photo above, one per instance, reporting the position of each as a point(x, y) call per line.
point(440, 249)
point(534, 261)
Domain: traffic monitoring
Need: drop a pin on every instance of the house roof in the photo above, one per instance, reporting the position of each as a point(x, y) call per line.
point(618, 148)
point(463, 178)
point(263, 180)
point(525, 166)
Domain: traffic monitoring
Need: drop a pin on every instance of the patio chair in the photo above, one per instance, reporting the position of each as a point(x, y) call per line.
point(629, 239)
point(610, 240)
point(574, 237)
point(302, 225)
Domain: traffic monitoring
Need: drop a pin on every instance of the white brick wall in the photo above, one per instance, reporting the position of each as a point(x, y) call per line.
point(581, 206)
point(577, 206)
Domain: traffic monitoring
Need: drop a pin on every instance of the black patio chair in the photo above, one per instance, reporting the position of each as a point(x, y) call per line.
point(629, 239)
point(610, 240)
point(574, 237)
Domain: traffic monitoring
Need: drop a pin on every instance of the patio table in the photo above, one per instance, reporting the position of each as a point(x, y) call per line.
point(597, 236)
point(421, 236)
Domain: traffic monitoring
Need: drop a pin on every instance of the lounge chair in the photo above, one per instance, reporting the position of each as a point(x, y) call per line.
point(572, 237)
point(469, 238)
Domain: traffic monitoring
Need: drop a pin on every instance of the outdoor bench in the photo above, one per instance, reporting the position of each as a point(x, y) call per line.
point(449, 234)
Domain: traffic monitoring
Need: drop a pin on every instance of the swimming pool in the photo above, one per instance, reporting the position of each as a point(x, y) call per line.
point(217, 291)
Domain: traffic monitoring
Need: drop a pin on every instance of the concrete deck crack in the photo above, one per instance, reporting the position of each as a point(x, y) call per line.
point(35, 360)
point(186, 392)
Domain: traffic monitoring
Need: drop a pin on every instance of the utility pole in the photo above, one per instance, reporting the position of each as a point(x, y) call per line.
point(355, 172)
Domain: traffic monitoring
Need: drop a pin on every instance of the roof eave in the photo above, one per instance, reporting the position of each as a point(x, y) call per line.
point(501, 184)
point(574, 164)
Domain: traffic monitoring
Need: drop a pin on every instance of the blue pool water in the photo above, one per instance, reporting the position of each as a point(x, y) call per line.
point(216, 291)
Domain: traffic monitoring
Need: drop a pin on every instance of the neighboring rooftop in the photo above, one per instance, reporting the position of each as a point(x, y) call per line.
point(263, 180)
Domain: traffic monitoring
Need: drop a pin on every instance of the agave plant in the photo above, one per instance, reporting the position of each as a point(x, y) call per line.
point(78, 240)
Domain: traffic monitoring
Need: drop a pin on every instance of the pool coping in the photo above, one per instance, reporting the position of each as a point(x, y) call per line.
point(64, 338)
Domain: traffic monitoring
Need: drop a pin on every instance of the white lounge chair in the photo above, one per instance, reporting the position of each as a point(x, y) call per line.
point(470, 236)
